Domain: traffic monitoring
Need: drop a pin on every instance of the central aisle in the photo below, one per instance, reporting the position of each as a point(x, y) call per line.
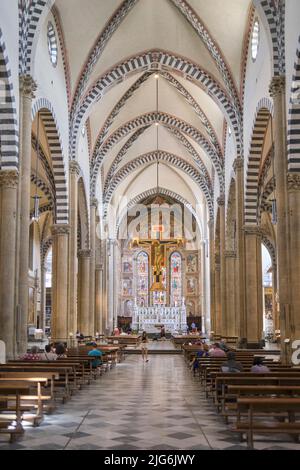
point(156, 405)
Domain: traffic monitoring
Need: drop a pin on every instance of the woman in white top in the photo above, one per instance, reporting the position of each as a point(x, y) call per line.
point(144, 347)
point(48, 355)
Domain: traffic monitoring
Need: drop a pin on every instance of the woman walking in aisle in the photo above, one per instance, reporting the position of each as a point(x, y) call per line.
point(144, 347)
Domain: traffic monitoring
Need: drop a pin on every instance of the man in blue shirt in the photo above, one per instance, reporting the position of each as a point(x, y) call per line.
point(97, 354)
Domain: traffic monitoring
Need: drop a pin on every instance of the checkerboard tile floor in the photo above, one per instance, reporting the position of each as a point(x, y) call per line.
point(152, 406)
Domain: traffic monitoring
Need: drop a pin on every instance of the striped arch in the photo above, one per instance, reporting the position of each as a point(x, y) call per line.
point(263, 113)
point(45, 247)
point(179, 87)
point(149, 119)
point(9, 132)
point(83, 216)
point(32, 14)
point(153, 157)
point(274, 12)
point(263, 204)
point(216, 54)
point(293, 129)
point(156, 60)
point(271, 249)
point(54, 141)
point(102, 40)
point(180, 137)
point(152, 192)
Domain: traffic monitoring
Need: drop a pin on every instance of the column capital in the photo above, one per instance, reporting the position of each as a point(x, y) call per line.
point(99, 267)
point(9, 178)
point(293, 181)
point(230, 254)
point(60, 229)
point(277, 86)
point(238, 164)
point(252, 230)
point(84, 253)
point(27, 86)
point(221, 200)
point(74, 168)
point(94, 202)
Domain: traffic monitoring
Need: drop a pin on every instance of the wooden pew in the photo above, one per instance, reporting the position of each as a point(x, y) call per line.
point(7, 426)
point(62, 384)
point(255, 406)
point(34, 383)
point(49, 404)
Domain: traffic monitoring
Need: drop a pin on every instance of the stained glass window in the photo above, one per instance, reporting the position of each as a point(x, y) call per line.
point(176, 279)
point(142, 279)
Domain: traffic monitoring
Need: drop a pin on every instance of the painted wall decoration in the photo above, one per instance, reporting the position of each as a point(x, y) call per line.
point(127, 264)
point(191, 286)
point(192, 263)
point(127, 287)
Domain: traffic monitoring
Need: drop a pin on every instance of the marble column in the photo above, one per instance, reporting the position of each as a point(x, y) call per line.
point(43, 297)
point(217, 290)
point(59, 321)
point(240, 249)
point(84, 258)
point(98, 298)
point(230, 262)
point(221, 204)
point(212, 274)
point(74, 172)
point(27, 90)
point(293, 183)
point(8, 224)
point(277, 92)
point(253, 277)
point(94, 205)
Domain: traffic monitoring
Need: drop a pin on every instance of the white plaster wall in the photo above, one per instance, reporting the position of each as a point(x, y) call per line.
point(292, 33)
point(258, 78)
point(51, 84)
point(9, 24)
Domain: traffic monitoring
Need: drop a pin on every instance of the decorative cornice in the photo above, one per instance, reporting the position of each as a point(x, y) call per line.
point(277, 86)
point(252, 230)
point(27, 86)
point(74, 168)
point(60, 229)
point(84, 253)
point(221, 200)
point(238, 164)
point(230, 254)
point(293, 181)
point(9, 178)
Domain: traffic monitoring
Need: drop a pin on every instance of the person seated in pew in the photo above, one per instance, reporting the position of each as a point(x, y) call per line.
point(97, 362)
point(259, 367)
point(203, 352)
point(216, 351)
point(33, 355)
point(49, 354)
point(231, 365)
point(223, 345)
point(60, 351)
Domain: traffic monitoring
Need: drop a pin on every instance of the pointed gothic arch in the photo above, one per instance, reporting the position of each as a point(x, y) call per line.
point(44, 107)
point(164, 119)
point(263, 114)
point(9, 132)
point(156, 60)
